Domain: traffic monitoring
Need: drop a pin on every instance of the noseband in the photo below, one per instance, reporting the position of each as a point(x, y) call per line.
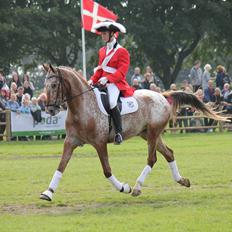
point(61, 88)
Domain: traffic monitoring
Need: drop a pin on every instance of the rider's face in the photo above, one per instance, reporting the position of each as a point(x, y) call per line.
point(105, 36)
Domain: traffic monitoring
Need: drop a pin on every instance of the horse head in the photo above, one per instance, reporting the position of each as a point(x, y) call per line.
point(64, 84)
point(54, 89)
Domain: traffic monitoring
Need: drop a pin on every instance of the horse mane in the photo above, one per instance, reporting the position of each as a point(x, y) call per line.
point(76, 74)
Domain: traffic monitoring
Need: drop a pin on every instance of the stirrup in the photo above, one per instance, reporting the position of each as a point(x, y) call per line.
point(118, 139)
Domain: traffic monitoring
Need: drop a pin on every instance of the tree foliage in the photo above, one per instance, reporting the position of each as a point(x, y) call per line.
point(161, 33)
point(169, 31)
point(50, 30)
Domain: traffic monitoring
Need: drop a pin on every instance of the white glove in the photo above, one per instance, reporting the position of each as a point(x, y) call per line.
point(103, 80)
point(90, 82)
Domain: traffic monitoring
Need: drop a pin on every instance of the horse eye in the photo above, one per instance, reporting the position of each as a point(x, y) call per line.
point(53, 86)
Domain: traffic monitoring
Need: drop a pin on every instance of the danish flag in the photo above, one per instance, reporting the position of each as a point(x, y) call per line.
point(93, 13)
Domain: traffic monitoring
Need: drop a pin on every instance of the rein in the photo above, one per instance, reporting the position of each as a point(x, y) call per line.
point(60, 86)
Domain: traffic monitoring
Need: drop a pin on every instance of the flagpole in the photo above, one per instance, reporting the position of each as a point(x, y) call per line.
point(83, 43)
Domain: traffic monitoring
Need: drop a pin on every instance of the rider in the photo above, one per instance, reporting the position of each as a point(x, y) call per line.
point(114, 61)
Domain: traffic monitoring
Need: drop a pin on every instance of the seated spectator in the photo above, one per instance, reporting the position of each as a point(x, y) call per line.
point(3, 97)
point(199, 94)
point(3, 84)
point(209, 97)
point(173, 87)
point(226, 91)
point(27, 78)
point(15, 78)
point(27, 88)
point(218, 99)
point(19, 95)
point(137, 75)
point(12, 104)
point(42, 101)
point(25, 107)
point(13, 88)
point(153, 87)
point(148, 79)
point(155, 79)
point(135, 84)
point(35, 110)
point(157, 89)
point(209, 92)
point(149, 70)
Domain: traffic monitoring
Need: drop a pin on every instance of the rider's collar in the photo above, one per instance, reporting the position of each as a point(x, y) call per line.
point(110, 45)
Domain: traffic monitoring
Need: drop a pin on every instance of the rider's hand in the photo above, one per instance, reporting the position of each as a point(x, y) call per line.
point(90, 82)
point(103, 80)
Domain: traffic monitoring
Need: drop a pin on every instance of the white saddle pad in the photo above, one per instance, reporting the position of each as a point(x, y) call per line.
point(129, 104)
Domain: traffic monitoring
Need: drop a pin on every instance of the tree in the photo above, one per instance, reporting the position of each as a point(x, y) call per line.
point(50, 30)
point(10, 37)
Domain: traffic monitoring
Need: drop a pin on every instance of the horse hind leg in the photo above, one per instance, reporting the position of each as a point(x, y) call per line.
point(169, 156)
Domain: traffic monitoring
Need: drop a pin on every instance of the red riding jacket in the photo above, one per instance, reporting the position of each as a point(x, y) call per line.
point(119, 61)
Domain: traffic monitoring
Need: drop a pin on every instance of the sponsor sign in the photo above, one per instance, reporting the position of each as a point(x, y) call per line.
point(25, 125)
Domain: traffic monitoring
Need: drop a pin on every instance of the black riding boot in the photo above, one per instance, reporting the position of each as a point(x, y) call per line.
point(115, 114)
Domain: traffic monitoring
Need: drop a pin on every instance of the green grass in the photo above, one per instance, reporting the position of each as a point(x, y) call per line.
point(85, 201)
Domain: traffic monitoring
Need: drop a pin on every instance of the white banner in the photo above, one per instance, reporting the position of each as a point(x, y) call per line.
point(24, 124)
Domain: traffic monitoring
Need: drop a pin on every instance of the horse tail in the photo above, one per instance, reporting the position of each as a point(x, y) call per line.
point(179, 98)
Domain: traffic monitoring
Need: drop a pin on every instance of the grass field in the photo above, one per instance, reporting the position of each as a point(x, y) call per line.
point(85, 201)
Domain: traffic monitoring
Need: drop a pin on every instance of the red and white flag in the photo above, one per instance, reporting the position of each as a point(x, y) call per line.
point(93, 13)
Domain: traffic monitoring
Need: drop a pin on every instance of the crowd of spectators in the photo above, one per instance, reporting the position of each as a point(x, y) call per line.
point(18, 96)
point(213, 87)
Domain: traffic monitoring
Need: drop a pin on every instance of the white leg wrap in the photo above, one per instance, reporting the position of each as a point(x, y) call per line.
point(174, 169)
point(55, 180)
point(144, 174)
point(115, 182)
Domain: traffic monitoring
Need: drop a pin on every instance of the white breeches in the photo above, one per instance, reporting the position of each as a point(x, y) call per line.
point(113, 93)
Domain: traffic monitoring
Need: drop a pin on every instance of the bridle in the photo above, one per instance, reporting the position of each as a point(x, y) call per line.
point(61, 88)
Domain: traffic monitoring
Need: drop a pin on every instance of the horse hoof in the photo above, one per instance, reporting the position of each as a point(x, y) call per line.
point(46, 195)
point(136, 192)
point(184, 182)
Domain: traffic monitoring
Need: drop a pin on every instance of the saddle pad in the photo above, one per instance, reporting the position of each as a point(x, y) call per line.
point(129, 104)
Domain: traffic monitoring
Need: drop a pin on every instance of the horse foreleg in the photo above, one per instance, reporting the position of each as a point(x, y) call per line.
point(169, 156)
point(103, 156)
point(69, 146)
point(151, 137)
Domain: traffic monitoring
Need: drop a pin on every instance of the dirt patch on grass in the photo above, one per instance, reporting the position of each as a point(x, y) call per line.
point(47, 209)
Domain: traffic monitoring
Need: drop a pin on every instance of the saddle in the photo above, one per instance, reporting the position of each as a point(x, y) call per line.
point(126, 105)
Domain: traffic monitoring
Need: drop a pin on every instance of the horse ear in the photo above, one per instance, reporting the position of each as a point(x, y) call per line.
point(51, 67)
point(46, 67)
